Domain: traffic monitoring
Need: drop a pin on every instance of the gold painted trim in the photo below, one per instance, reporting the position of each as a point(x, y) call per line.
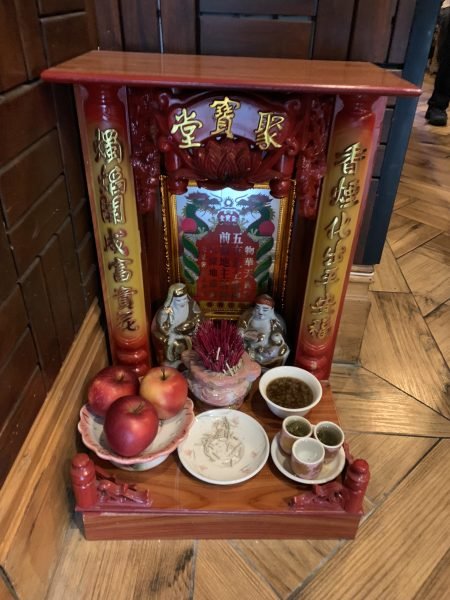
point(285, 226)
point(170, 249)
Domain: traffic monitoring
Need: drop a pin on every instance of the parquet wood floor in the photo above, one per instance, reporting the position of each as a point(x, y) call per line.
point(395, 409)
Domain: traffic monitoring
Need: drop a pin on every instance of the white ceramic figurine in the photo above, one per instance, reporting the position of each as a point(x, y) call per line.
point(174, 324)
point(264, 333)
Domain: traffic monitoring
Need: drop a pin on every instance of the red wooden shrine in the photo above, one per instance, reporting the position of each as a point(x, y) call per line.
point(237, 176)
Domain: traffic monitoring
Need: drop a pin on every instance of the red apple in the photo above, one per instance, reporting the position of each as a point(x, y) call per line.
point(109, 384)
point(166, 389)
point(131, 424)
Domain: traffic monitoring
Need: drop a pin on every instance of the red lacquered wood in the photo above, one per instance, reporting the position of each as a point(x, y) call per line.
point(104, 108)
point(360, 122)
point(184, 507)
point(82, 475)
point(245, 164)
point(135, 69)
point(356, 481)
point(103, 526)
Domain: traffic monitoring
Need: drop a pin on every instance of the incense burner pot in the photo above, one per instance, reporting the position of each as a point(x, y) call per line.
point(220, 389)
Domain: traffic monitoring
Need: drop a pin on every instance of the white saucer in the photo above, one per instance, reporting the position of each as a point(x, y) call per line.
point(224, 447)
point(283, 464)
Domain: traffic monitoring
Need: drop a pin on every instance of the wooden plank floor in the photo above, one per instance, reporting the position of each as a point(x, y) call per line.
point(395, 409)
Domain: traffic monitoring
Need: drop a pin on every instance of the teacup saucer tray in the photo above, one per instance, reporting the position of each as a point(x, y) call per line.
point(282, 462)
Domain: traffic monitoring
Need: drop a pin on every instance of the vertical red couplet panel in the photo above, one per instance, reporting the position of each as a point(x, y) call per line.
point(351, 150)
point(102, 113)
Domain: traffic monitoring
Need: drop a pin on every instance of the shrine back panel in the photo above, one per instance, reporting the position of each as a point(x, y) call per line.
point(288, 39)
point(228, 246)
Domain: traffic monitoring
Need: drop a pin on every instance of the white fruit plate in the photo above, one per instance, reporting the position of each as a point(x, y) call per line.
point(171, 432)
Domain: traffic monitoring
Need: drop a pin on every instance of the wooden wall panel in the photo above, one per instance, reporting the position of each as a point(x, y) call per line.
point(82, 222)
point(86, 256)
point(15, 373)
point(42, 310)
point(52, 266)
point(41, 320)
point(12, 62)
point(91, 285)
point(256, 7)
point(70, 145)
point(26, 114)
point(13, 322)
point(255, 37)
point(92, 23)
point(108, 24)
point(30, 36)
point(372, 31)
point(20, 421)
point(8, 273)
point(333, 29)
point(50, 7)
point(65, 36)
point(402, 27)
point(26, 177)
point(140, 26)
point(32, 233)
point(77, 302)
point(179, 26)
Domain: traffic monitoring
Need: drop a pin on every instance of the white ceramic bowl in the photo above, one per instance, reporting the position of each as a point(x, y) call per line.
point(171, 432)
point(296, 373)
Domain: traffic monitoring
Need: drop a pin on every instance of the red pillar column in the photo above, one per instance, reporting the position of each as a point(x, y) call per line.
point(102, 114)
point(351, 151)
point(82, 474)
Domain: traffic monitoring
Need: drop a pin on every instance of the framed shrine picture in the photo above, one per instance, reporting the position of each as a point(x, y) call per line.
point(228, 245)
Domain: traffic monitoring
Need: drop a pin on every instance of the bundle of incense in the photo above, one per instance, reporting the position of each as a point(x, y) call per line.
point(220, 347)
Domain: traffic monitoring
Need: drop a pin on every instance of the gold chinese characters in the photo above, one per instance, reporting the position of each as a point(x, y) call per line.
point(338, 228)
point(224, 114)
point(112, 186)
point(225, 110)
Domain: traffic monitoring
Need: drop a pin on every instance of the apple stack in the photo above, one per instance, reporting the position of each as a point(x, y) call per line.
point(132, 409)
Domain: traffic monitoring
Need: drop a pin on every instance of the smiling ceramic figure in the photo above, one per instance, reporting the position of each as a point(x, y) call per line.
point(264, 333)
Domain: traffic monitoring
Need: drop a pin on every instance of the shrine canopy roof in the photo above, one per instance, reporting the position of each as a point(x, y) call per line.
point(178, 70)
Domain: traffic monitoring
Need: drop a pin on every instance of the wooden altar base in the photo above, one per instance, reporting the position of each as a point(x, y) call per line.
point(260, 508)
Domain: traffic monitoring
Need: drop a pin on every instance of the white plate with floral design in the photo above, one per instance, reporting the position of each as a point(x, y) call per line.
point(283, 464)
point(224, 447)
point(170, 433)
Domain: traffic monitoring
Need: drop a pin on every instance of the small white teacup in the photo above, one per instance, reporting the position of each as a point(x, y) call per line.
point(292, 429)
point(331, 437)
point(307, 457)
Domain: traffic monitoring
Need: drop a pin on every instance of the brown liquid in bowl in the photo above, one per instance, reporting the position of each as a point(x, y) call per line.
point(289, 392)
